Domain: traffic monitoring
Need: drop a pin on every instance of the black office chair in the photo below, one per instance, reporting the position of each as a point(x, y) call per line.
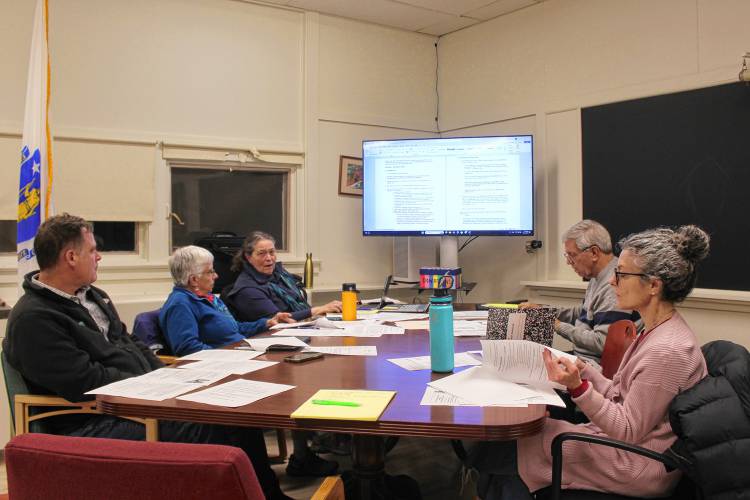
point(686, 489)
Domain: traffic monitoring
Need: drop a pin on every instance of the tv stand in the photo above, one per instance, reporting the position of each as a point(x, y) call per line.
point(449, 251)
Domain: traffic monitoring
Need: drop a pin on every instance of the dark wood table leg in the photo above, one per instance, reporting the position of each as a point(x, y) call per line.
point(367, 480)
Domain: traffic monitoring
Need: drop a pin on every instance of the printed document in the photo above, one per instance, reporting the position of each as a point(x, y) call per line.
point(222, 355)
point(161, 384)
point(482, 386)
point(423, 362)
point(346, 350)
point(236, 393)
point(263, 343)
point(520, 360)
point(228, 367)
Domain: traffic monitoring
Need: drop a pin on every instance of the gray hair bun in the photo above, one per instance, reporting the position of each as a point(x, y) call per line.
point(692, 243)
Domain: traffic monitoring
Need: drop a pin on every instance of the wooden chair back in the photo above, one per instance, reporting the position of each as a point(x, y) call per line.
point(619, 337)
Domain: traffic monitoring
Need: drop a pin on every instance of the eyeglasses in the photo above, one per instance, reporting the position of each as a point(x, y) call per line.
point(209, 271)
point(618, 274)
point(570, 258)
point(263, 253)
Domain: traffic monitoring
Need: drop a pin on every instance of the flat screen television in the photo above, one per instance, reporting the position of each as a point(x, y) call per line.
point(461, 186)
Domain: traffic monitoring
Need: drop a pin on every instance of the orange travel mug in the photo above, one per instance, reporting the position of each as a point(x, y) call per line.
point(349, 301)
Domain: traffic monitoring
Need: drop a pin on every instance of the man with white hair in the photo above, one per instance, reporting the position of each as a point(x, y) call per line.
point(65, 338)
point(588, 250)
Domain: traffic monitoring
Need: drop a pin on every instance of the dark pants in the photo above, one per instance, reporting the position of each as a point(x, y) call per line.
point(497, 464)
point(248, 439)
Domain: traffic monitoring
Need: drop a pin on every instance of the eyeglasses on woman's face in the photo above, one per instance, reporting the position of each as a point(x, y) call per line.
point(620, 274)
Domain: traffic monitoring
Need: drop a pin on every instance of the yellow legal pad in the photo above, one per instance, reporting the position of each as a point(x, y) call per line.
point(501, 306)
point(371, 405)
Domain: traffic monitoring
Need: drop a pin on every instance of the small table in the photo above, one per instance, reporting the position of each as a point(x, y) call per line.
point(404, 416)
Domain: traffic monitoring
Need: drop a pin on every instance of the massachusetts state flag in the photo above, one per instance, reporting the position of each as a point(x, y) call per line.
point(35, 187)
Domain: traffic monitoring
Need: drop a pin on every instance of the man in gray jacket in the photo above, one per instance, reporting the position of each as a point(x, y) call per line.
point(588, 250)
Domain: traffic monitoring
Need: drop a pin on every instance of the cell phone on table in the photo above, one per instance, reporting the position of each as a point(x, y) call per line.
point(303, 356)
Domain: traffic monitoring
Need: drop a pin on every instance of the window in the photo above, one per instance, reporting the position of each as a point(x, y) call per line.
point(115, 236)
point(208, 200)
point(110, 236)
point(7, 236)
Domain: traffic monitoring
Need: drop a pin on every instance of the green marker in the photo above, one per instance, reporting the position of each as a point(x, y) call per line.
point(328, 402)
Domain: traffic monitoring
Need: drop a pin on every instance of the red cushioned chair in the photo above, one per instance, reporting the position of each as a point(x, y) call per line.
point(61, 467)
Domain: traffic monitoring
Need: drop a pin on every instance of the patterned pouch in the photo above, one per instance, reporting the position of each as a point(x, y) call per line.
point(536, 325)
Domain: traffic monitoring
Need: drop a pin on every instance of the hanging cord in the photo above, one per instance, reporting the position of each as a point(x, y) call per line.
point(466, 243)
point(437, 93)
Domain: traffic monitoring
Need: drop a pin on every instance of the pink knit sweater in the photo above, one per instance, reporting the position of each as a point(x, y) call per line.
point(631, 407)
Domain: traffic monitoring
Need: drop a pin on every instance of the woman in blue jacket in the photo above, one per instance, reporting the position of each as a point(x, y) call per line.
point(193, 319)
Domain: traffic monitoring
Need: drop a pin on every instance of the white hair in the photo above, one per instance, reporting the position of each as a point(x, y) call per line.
point(672, 255)
point(188, 261)
point(589, 233)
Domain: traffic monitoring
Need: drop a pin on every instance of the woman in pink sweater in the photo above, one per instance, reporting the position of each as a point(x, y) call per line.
point(656, 270)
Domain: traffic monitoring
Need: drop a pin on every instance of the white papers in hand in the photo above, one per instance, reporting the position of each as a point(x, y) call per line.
point(482, 386)
point(423, 362)
point(236, 393)
point(346, 350)
point(519, 360)
point(228, 367)
point(222, 355)
point(262, 344)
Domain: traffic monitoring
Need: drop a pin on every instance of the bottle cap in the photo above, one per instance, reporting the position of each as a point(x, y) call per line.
point(440, 292)
point(349, 287)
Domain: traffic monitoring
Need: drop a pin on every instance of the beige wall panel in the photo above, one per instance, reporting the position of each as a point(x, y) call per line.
point(15, 42)
point(492, 71)
point(722, 33)
point(375, 75)
point(499, 263)
point(597, 45)
point(105, 182)
point(208, 68)
point(345, 253)
point(563, 167)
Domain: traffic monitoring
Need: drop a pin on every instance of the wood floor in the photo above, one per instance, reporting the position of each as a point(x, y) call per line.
point(431, 462)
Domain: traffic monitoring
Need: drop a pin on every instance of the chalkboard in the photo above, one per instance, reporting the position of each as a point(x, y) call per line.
point(675, 159)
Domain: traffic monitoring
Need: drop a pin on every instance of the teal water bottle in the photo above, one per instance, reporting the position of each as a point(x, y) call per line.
point(441, 332)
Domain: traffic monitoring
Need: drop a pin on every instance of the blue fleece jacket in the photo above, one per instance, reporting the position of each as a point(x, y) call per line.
point(191, 323)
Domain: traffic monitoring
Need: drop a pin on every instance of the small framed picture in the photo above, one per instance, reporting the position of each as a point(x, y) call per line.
point(351, 176)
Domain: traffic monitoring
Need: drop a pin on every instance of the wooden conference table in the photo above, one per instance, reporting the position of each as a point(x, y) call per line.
point(404, 416)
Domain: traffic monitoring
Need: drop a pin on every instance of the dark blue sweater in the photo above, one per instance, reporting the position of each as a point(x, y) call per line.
point(191, 323)
point(252, 297)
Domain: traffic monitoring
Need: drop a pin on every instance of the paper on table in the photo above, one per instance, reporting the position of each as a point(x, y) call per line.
point(313, 332)
point(482, 386)
point(436, 397)
point(470, 314)
point(172, 375)
point(221, 354)
point(371, 405)
point(262, 344)
point(346, 350)
point(423, 362)
point(396, 316)
point(321, 322)
point(136, 388)
point(229, 367)
point(236, 393)
point(352, 329)
point(519, 360)
point(461, 328)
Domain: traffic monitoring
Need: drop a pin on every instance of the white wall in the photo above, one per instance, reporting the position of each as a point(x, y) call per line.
point(553, 58)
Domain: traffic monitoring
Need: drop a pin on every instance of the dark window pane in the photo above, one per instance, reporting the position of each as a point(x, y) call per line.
point(115, 236)
point(8, 236)
point(111, 236)
point(240, 201)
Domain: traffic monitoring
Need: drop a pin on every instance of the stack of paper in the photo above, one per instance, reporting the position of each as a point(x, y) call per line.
point(228, 367)
point(346, 350)
point(423, 362)
point(161, 384)
point(345, 405)
point(236, 393)
point(512, 374)
point(262, 344)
